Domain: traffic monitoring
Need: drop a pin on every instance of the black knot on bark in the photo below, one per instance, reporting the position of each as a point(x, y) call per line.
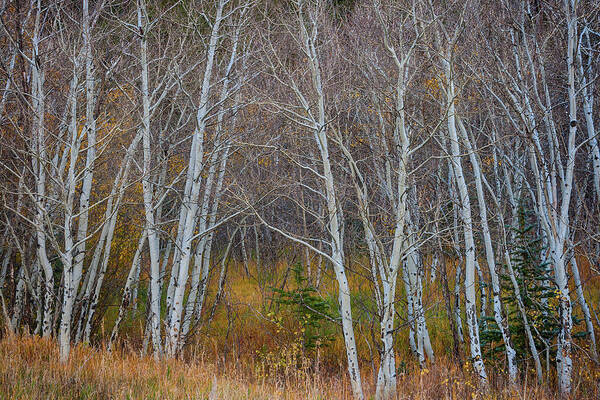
point(573, 123)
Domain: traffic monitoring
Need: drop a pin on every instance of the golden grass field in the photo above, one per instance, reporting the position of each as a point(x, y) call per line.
point(29, 369)
point(246, 354)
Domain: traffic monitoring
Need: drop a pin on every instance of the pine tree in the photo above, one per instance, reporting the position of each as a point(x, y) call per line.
point(309, 310)
point(533, 275)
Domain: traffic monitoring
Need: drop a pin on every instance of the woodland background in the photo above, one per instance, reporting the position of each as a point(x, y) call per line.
point(299, 198)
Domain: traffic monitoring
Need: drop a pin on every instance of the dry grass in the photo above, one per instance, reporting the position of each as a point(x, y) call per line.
point(241, 354)
point(29, 369)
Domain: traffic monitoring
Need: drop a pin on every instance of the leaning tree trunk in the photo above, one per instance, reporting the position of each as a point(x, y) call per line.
point(465, 204)
point(501, 321)
point(193, 180)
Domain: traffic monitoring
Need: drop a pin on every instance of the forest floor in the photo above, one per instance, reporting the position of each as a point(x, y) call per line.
point(253, 348)
point(29, 369)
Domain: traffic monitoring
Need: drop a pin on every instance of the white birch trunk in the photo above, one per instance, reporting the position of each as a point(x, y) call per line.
point(67, 255)
point(587, 94)
point(470, 296)
point(148, 191)
point(333, 211)
point(414, 263)
point(501, 321)
point(218, 162)
point(39, 168)
point(88, 173)
point(557, 247)
point(191, 202)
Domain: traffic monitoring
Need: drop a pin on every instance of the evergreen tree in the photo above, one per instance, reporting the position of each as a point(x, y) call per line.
point(533, 275)
point(308, 308)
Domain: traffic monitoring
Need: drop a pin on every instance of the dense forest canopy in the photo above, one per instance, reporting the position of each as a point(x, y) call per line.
point(362, 164)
